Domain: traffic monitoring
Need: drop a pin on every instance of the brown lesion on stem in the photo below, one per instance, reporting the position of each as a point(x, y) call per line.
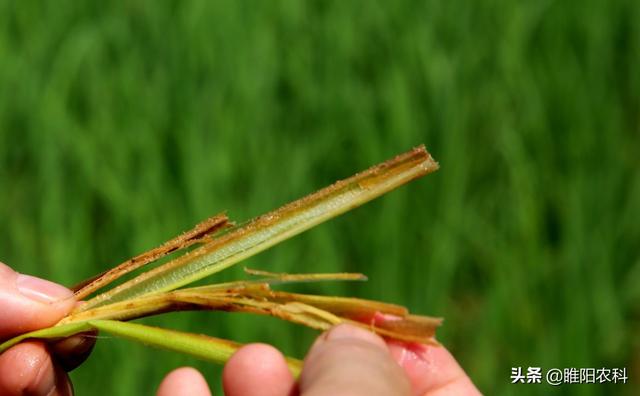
point(199, 234)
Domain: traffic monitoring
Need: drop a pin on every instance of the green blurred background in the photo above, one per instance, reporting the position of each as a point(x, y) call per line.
point(125, 123)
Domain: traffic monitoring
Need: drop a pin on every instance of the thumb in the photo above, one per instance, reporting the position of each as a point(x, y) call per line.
point(29, 303)
point(348, 360)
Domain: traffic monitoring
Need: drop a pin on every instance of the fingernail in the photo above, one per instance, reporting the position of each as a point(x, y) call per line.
point(350, 332)
point(41, 290)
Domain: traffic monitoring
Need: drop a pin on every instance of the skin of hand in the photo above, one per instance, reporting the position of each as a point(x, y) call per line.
point(346, 360)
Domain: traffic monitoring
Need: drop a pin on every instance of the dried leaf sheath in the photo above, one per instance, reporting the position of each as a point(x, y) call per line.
point(272, 228)
point(318, 312)
point(170, 301)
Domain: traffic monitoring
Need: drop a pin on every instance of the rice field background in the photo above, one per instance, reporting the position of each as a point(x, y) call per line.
point(122, 124)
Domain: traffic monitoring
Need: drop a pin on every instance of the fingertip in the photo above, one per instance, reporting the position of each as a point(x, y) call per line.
point(5, 270)
point(185, 381)
point(432, 370)
point(351, 360)
point(257, 369)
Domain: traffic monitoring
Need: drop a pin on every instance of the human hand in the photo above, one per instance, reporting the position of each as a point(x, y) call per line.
point(29, 303)
point(346, 360)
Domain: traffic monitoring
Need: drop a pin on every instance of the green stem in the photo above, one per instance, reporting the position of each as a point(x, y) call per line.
point(211, 349)
point(204, 347)
point(61, 331)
